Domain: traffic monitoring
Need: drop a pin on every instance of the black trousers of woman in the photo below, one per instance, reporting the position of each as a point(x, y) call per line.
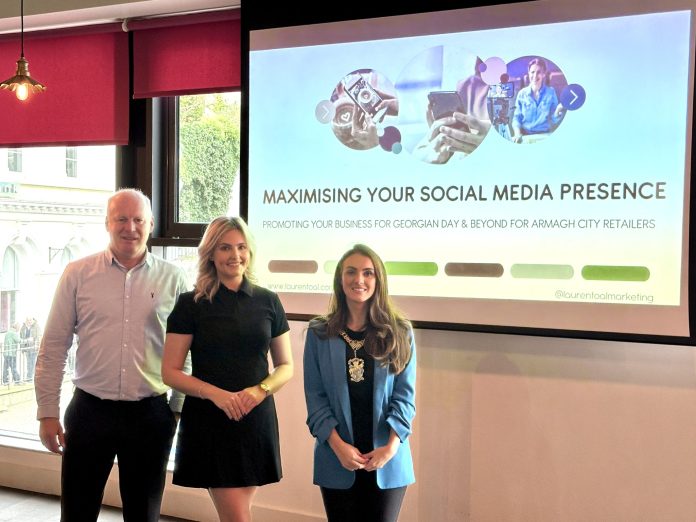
point(138, 433)
point(364, 501)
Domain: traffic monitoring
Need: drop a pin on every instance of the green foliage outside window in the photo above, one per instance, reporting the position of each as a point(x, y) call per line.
point(208, 155)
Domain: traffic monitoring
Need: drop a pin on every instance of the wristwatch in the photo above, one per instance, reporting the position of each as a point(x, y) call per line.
point(265, 387)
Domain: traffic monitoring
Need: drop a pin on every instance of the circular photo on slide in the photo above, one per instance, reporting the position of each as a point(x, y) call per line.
point(442, 104)
point(364, 100)
point(524, 107)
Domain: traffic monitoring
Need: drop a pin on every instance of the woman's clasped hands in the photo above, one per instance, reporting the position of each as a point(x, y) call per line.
point(350, 457)
point(236, 405)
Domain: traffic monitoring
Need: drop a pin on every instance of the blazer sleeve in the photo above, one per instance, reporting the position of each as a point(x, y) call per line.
point(402, 405)
point(320, 416)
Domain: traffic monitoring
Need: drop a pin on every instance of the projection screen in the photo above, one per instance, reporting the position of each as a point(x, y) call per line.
point(523, 165)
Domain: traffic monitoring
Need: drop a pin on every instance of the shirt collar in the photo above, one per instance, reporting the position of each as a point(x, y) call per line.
point(247, 287)
point(111, 259)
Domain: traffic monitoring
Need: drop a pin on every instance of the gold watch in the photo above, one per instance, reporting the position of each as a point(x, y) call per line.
point(265, 387)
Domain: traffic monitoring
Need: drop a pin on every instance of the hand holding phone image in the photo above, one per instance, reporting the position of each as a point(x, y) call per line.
point(454, 126)
point(362, 99)
point(444, 103)
point(363, 94)
point(353, 126)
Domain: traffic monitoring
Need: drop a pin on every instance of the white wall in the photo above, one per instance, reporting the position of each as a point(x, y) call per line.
point(533, 429)
point(508, 428)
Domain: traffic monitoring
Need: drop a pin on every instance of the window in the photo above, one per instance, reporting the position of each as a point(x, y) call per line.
point(184, 256)
point(14, 160)
point(8, 288)
point(203, 158)
point(7, 309)
point(208, 155)
point(46, 220)
point(71, 162)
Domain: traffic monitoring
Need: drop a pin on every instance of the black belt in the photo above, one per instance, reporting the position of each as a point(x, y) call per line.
point(89, 396)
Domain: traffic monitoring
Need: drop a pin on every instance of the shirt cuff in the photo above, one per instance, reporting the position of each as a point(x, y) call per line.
point(48, 412)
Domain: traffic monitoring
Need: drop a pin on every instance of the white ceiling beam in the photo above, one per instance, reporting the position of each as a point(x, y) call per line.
point(40, 14)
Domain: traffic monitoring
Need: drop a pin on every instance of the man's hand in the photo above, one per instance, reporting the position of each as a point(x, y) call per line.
point(52, 435)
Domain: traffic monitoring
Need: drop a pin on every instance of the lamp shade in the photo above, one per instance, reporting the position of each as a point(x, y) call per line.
point(22, 82)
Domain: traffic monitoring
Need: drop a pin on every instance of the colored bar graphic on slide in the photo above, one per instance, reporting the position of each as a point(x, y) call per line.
point(615, 273)
point(517, 271)
point(541, 271)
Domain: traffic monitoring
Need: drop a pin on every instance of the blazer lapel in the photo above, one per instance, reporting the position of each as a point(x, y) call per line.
point(338, 363)
point(381, 373)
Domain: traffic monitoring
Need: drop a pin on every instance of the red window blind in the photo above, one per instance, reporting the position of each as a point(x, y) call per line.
point(191, 54)
point(86, 77)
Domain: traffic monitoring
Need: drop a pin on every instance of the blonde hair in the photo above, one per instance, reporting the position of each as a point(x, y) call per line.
point(207, 281)
point(388, 336)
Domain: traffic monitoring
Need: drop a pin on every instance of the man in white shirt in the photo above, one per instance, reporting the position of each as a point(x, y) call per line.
point(117, 302)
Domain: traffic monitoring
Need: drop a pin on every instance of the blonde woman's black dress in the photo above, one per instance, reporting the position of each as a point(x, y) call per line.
point(231, 337)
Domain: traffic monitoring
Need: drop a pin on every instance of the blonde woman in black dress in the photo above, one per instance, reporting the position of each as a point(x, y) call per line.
point(228, 434)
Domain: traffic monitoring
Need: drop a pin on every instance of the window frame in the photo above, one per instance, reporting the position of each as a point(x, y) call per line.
point(173, 228)
point(165, 177)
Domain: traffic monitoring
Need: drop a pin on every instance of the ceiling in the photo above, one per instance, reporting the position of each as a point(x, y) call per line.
point(42, 14)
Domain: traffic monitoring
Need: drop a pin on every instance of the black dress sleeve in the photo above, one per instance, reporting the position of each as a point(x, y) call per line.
point(280, 322)
point(183, 316)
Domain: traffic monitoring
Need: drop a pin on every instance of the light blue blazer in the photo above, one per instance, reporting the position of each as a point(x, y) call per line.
point(328, 407)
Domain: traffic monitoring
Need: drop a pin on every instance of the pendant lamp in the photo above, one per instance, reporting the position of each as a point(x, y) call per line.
point(21, 83)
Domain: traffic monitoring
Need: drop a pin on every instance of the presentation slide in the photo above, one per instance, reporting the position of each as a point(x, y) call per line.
point(528, 175)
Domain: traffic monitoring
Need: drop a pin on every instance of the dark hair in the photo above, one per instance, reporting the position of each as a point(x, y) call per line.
point(538, 61)
point(388, 335)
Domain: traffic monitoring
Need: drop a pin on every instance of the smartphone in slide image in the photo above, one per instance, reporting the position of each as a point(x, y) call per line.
point(444, 103)
point(363, 94)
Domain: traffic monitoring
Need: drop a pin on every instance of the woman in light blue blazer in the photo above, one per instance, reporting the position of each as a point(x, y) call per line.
point(360, 388)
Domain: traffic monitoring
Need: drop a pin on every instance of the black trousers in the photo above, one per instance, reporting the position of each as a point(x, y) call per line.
point(138, 433)
point(364, 501)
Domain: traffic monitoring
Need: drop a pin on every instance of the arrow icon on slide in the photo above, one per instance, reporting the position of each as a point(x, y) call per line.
point(573, 97)
point(324, 111)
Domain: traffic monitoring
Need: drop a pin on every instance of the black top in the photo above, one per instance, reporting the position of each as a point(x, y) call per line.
point(231, 337)
point(361, 394)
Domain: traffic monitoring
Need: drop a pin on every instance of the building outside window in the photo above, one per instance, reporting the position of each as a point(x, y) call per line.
point(71, 162)
point(8, 295)
point(14, 160)
point(46, 219)
point(51, 216)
